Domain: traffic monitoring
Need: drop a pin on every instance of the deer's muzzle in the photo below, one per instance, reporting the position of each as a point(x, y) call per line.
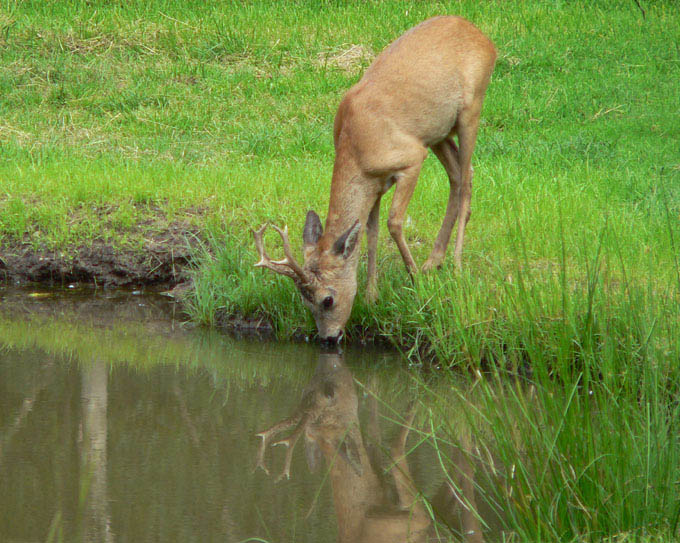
point(332, 341)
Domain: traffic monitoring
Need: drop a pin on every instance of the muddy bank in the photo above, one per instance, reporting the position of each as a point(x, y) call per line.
point(163, 262)
point(163, 259)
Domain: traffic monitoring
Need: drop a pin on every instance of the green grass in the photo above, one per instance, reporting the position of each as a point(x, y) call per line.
point(573, 427)
point(157, 107)
point(114, 114)
point(582, 462)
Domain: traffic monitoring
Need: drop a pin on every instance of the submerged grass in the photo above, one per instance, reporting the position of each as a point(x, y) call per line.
point(583, 462)
point(579, 451)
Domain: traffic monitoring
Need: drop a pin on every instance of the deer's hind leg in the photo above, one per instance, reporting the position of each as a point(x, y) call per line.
point(447, 153)
point(467, 126)
point(457, 162)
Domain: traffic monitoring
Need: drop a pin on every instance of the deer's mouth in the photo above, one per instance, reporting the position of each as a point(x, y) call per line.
point(332, 341)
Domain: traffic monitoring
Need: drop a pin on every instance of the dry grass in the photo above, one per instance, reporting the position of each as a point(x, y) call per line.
point(350, 59)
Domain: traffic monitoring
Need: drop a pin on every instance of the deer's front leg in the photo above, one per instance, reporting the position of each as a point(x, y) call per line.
point(372, 226)
point(447, 153)
point(402, 195)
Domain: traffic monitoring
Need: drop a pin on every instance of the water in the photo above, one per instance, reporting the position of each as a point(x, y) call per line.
point(120, 423)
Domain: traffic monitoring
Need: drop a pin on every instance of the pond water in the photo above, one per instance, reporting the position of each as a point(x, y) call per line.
point(120, 422)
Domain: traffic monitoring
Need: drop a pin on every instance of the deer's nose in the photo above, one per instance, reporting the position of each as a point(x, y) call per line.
point(332, 341)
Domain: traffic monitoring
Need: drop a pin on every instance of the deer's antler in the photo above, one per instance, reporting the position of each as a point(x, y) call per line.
point(290, 442)
point(288, 266)
point(266, 436)
point(299, 422)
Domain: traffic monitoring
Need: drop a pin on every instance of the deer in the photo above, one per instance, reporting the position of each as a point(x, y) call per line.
point(423, 91)
point(368, 509)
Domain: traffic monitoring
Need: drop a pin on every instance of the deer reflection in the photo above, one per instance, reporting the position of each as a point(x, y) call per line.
point(374, 501)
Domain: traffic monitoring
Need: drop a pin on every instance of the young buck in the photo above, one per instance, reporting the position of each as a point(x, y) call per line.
point(328, 419)
point(420, 92)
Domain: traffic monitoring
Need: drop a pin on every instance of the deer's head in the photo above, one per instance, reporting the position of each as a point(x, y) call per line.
point(327, 280)
point(328, 418)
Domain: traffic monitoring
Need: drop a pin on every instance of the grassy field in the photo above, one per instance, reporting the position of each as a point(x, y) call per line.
point(116, 115)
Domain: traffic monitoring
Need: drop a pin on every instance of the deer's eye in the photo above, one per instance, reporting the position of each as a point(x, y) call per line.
point(327, 302)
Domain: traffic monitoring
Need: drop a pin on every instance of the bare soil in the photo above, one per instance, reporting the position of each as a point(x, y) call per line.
point(163, 259)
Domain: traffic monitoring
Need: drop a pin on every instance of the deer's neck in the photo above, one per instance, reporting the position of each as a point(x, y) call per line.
point(352, 197)
point(355, 490)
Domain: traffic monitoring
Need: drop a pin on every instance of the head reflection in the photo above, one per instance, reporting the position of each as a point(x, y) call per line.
point(374, 495)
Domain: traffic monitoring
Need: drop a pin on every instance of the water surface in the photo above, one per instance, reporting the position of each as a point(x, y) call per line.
point(118, 422)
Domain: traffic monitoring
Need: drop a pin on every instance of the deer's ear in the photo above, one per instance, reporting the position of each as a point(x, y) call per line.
point(349, 451)
point(346, 243)
point(313, 229)
point(313, 454)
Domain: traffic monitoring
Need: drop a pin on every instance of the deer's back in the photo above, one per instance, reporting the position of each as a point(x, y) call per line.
point(418, 85)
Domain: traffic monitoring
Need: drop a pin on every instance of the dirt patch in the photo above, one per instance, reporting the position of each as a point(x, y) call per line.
point(350, 58)
point(163, 259)
point(240, 326)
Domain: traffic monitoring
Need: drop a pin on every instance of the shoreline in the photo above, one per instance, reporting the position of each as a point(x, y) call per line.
point(126, 270)
point(163, 260)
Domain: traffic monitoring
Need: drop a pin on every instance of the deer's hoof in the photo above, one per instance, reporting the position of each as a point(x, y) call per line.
point(371, 295)
point(431, 264)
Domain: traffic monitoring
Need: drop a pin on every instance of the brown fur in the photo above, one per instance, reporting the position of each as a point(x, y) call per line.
point(328, 417)
point(425, 88)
